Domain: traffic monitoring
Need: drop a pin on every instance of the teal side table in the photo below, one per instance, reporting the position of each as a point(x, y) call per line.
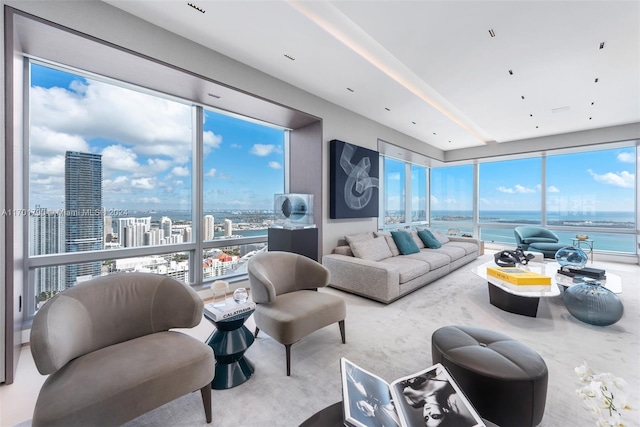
point(229, 342)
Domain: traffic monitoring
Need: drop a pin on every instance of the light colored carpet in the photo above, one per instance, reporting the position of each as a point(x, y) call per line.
point(395, 340)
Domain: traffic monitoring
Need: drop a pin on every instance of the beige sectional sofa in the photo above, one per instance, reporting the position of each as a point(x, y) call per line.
point(370, 264)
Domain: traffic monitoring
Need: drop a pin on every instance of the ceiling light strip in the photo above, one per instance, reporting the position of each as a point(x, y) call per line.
point(334, 22)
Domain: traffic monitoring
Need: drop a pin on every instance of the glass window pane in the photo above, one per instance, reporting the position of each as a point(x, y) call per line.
point(592, 189)
point(510, 192)
point(228, 261)
point(394, 185)
point(418, 193)
point(243, 168)
point(452, 194)
point(53, 279)
point(105, 164)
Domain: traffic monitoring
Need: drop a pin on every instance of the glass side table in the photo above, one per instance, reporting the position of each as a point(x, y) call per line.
point(586, 245)
point(229, 342)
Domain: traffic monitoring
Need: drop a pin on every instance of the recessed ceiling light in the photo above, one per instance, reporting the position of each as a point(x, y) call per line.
point(589, 118)
point(596, 80)
point(592, 103)
point(413, 123)
point(434, 133)
point(602, 45)
point(289, 57)
point(213, 95)
point(522, 96)
point(350, 90)
point(536, 127)
point(492, 33)
point(511, 72)
point(530, 115)
point(199, 9)
point(387, 109)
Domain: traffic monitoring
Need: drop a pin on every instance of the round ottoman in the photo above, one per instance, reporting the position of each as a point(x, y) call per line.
point(505, 380)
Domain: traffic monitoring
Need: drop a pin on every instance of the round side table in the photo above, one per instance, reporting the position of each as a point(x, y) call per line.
point(229, 342)
point(584, 244)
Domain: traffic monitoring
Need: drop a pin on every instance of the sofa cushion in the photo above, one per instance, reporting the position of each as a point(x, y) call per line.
point(390, 242)
point(358, 237)
point(433, 257)
point(468, 247)
point(404, 241)
point(454, 253)
point(429, 239)
point(374, 249)
point(408, 269)
point(442, 238)
point(343, 250)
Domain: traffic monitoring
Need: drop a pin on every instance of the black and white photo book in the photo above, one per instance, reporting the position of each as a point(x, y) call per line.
point(429, 398)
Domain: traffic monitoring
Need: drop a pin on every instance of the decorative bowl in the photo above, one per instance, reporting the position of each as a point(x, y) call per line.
point(571, 257)
point(582, 236)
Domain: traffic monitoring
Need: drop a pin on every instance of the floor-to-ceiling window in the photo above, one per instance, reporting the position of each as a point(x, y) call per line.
point(593, 193)
point(451, 196)
point(111, 179)
point(571, 192)
point(509, 193)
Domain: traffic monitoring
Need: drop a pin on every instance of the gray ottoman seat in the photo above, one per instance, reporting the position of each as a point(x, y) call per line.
point(505, 380)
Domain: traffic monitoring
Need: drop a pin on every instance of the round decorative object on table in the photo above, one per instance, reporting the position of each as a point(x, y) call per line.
point(582, 236)
point(592, 303)
point(240, 295)
point(571, 257)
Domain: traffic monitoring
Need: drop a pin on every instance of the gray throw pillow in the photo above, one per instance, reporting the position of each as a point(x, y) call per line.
point(417, 239)
point(442, 238)
point(373, 249)
point(351, 238)
point(343, 250)
point(392, 245)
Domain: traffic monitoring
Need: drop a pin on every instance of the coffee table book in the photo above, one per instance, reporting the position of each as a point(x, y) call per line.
point(230, 309)
point(369, 401)
point(518, 276)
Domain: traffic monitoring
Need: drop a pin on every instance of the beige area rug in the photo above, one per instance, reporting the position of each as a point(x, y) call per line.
point(395, 340)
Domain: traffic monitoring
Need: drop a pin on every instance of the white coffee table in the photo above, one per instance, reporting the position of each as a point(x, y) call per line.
point(506, 297)
point(525, 302)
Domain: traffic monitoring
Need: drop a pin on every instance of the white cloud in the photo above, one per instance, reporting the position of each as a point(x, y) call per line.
point(626, 157)
point(235, 146)
point(262, 150)
point(45, 141)
point(553, 189)
point(434, 200)
point(395, 176)
point(211, 140)
point(47, 166)
point(153, 125)
point(622, 179)
point(275, 165)
point(119, 184)
point(516, 189)
point(150, 200)
point(142, 183)
point(117, 157)
point(211, 173)
point(181, 171)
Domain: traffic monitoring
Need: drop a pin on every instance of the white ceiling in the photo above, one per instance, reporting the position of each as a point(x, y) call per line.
point(431, 69)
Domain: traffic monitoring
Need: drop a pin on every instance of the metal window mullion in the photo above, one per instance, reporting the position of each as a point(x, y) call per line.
point(197, 183)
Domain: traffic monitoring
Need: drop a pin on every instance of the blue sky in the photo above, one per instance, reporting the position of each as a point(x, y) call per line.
point(145, 143)
point(597, 181)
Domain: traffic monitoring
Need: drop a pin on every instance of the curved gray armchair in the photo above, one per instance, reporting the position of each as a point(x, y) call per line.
point(111, 357)
point(537, 239)
point(288, 306)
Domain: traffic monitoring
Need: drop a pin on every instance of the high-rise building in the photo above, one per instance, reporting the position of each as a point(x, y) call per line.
point(108, 228)
point(84, 220)
point(228, 228)
point(46, 235)
point(131, 231)
point(166, 225)
point(208, 227)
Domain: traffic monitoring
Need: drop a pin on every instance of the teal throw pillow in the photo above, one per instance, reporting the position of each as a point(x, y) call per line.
point(405, 242)
point(429, 239)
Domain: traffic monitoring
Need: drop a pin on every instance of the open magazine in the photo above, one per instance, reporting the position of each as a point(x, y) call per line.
point(426, 398)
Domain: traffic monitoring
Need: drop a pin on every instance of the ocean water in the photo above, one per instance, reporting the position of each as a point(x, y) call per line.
point(580, 223)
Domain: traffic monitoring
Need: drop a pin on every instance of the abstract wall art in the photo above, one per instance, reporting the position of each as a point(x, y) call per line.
point(353, 181)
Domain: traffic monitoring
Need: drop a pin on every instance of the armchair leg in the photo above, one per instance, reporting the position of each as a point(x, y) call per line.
point(206, 401)
point(255, 335)
point(342, 331)
point(287, 348)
